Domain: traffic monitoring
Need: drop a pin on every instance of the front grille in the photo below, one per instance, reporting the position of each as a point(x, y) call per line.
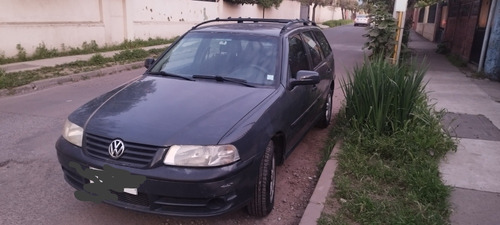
point(135, 155)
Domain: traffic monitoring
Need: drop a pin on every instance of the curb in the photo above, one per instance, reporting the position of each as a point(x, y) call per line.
point(318, 198)
point(42, 84)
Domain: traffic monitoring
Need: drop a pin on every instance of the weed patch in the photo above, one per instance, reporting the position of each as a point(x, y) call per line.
point(97, 61)
point(456, 60)
point(336, 23)
point(42, 52)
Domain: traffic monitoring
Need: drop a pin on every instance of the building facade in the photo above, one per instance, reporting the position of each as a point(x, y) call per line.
point(470, 29)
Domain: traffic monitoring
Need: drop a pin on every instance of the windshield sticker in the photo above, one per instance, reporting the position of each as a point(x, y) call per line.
point(270, 77)
point(224, 41)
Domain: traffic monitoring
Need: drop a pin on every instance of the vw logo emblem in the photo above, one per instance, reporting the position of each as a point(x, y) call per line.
point(116, 149)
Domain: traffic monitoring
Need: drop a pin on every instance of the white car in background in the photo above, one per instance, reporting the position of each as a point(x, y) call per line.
point(362, 19)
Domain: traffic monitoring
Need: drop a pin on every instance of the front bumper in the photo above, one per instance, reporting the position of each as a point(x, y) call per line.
point(174, 191)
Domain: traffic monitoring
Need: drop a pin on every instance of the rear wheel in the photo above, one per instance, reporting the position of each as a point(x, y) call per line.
point(263, 200)
point(326, 116)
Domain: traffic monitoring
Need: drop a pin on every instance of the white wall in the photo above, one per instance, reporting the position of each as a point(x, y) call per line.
point(52, 22)
point(72, 22)
point(325, 13)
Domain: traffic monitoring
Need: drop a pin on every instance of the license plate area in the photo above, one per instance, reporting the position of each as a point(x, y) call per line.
point(99, 172)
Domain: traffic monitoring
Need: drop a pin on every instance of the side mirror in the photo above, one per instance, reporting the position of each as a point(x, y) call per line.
point(148, 62)
point(305, 77)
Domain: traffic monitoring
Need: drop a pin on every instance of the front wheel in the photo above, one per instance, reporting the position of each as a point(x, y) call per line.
point(326, 113)
point(263, 199)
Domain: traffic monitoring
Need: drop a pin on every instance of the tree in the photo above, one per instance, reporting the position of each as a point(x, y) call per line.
point(265, 4)
point(381, 36)
point(351, 5)
point(315, 4)
point(369, 6)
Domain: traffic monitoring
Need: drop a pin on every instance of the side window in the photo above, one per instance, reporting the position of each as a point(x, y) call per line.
point(314, 48)
point(297, 59)
point(323, 43)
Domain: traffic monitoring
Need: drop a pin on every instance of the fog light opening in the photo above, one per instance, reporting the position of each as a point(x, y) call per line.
point(216, 203)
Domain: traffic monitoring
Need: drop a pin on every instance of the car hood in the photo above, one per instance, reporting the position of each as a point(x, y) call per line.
point(163, 111)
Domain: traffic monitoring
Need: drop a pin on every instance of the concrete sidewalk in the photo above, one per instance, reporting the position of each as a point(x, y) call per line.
point(473, 116)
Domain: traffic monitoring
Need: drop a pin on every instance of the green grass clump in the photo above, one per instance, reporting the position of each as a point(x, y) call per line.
point(382, 96)
point(389, 177)
point(335, 23)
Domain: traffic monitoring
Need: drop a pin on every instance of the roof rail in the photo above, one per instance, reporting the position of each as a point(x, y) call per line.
point(287, 22)
point(291, 22)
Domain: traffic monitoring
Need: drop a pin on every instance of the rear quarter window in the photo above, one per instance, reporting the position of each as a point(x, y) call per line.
point(323, 43)
point(314, 48)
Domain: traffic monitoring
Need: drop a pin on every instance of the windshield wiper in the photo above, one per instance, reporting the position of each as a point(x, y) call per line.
point(222, 79)
point(163, 73)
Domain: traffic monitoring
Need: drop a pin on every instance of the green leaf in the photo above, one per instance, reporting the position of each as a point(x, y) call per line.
point(374, 33)
point(383, 25)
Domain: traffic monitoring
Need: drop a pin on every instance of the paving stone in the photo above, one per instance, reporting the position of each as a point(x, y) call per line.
point(470, 126)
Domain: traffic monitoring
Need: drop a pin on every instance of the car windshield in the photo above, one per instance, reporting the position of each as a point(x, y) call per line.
point(361, 16)
point(250, 58)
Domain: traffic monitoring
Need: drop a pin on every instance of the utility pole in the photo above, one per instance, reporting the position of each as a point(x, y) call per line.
point(400, 16)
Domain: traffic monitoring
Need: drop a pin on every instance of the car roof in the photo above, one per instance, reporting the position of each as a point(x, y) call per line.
point(270, 27)
point(245, 28)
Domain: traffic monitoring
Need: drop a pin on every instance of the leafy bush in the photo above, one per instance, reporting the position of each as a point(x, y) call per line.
point(21, 52)
point(381, 96)
point(381, 36)
point(41, 52)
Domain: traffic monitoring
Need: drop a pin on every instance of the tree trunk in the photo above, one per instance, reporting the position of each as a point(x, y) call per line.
point(314, 12)
point(263, 11)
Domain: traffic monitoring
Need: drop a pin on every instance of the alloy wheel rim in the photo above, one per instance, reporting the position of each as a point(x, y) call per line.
point(273, 179)
point(328, 112)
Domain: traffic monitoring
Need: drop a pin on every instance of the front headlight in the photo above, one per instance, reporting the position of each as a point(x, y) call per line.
point(201, 156)
point(73, 133)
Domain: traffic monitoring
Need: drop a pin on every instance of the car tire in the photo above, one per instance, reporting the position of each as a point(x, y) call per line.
point(326, 113)
point(263, 201)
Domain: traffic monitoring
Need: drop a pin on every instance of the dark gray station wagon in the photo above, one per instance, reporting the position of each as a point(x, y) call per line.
point(201, 131)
